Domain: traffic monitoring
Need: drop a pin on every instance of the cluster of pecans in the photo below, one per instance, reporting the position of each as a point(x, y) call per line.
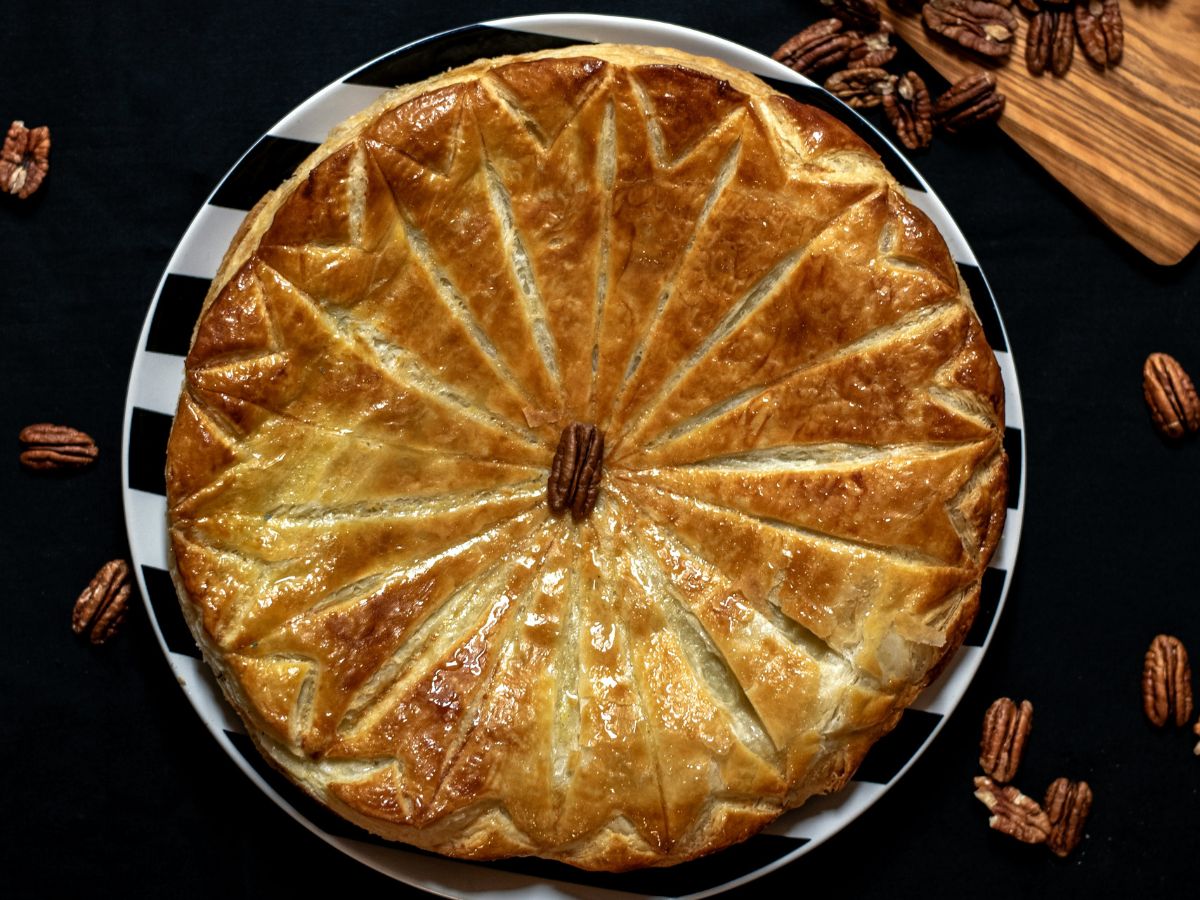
point(24, 160)
point(855, 46)
point(100, 609)
point(1170, 395)
point(1059, 820)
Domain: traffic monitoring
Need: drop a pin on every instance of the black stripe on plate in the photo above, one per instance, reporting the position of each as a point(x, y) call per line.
point(989, 600)
point(985, 306)
point(160, 591)
point(895, 749)
point(175, 314)
point(685, 878)
point(1012, 446)
point(148, 433)
point(424, 59)
point(822, 99)
point(325, 819)
point(269, 163)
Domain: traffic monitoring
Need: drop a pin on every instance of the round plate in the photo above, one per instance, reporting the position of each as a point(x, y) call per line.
point(157, 375)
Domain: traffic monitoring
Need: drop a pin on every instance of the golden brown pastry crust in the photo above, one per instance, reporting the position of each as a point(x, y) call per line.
point(804, 481)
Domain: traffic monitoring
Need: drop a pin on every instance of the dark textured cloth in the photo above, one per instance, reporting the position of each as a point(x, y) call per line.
point(112, 785)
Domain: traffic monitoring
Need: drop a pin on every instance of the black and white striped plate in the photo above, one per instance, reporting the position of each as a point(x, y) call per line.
point(154, 386)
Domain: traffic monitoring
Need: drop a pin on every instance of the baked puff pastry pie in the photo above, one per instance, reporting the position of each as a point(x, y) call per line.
point(587, 454)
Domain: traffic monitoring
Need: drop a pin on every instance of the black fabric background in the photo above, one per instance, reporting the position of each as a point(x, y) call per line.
point(111, 784)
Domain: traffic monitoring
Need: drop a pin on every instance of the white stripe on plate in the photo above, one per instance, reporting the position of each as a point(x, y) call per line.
point(933, 208)
point(825, 815)
point(158, 381)
point(211, 232)
point(1014, 415)
point(941, 696)
point(316, 117)
point(1005, 556)
point(149, 511)
point(197, 679)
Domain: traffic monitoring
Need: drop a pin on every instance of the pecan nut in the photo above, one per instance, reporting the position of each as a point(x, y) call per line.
point(910, 111)
point(1167, 682)
point(818, 47)
point(1101, 30)
point(1005, 730)
point(1170, 395)
point(574, 481)
point(872, 51)
point(1062, 45)
point(1067, 806)
point(861, 88)
point(1030, 6)
point(979, 25)
point(970, 101)
point(1013, 813)
point(100, 609)
point(56, 447)
point(1039, 42)
point(1196, 731)
point(25, 159)
point(862, 14)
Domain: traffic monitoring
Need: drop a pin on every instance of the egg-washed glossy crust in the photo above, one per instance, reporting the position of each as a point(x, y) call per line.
point(804, 477)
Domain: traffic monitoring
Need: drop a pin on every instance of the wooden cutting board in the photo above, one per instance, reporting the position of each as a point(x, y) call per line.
point(1125, 141)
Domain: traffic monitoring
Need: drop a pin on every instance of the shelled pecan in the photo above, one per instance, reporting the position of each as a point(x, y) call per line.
point(822, 45)
point(1167, 682)
point(861, 88)
point(979, 25)
point(1101, 30)
point(860, 14)
point(1013, 813)
point(872, 51)
point(100, 609)
point(56, 447)
point(25, 159)
point(1169, 393)
point(910, 111)
point(1005, 730)
point(574, 481)
point(1067, 806)
point(970, 101)
point(1039, 42)
point(1062, 49)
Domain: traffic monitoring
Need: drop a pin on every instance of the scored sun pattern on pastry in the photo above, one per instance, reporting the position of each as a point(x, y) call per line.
point(802, 481)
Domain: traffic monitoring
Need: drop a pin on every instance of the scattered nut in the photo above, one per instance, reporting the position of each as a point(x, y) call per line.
point(56, 447)
point(25, 159)
point(1013, 813)
point(1170, 395)
point(1167, 682)
point(818, 47)
point(1005, 730)
point(972, 100)
point(1067, 806)
point(861, 88)
point(910, 111)
point(100, 609)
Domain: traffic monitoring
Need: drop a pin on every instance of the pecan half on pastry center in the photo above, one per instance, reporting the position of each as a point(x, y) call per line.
point(574, 481)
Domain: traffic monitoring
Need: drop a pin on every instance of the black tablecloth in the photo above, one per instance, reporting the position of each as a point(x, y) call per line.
point(111, 784)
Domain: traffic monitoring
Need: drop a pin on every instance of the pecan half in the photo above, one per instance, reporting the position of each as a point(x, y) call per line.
point(575, 472)
point(1167, 682)
point(861, 88)
point(1196, 731)
point(1039, 42)
point(862, 14)
point(1067, 806)
point(25, 159)
point(1013, 813)
point(1062, 49)
point(970, 101)
point(1005, 730)
point(100, 609)
point(820, 46)
point(1101, 30)
point(987, 28)
point(872, 51)
point(910, 111)
point(1030, 6)
point(56, 447)
point(1170, 395)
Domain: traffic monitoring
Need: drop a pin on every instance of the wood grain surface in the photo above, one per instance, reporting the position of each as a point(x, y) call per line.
point(1125, 141)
